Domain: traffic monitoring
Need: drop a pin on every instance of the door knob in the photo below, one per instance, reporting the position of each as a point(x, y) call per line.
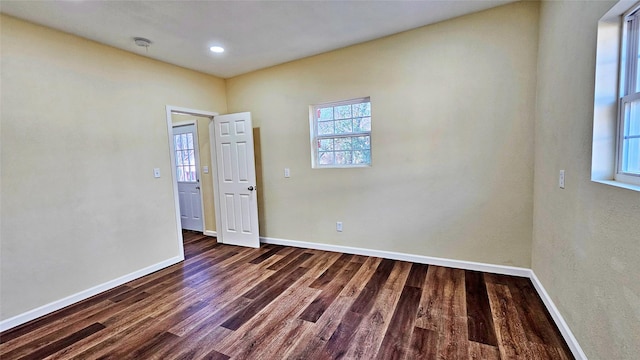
point(251, 188)
point(197, 187)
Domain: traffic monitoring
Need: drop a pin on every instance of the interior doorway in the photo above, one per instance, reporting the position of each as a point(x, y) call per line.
point(228, 178)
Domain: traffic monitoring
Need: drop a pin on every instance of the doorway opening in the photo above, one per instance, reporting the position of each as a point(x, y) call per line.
point(224, 173)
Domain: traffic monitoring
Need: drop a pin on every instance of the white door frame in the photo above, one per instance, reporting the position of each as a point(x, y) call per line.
point(181, 110)
point(198, 174)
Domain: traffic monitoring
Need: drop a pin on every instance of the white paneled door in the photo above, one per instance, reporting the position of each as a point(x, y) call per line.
point(185, 141)
point(236, 173)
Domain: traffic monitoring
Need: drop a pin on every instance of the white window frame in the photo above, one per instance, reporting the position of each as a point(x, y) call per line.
point(313, 124)
point(628, 86)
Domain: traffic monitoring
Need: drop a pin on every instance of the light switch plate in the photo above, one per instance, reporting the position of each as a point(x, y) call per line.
point(561, 179)
point(205, 169)
point(287, 172)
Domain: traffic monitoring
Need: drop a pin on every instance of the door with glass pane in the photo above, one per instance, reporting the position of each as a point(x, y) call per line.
point(185, 140)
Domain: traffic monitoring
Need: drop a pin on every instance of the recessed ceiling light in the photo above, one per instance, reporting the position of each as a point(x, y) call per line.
point(217, 49)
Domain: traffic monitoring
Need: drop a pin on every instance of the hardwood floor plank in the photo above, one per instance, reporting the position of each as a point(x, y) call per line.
point(151, 347)
point(261, 301)
point(395, 343)
point(311, 343)
point(365, 300)
point(536, 320)
point(290, 327)
point(453, 342)
point(423, 345)
point(331, 272)
point(95, 346)
point(339, 342)
point(418, 275)
point(287, 259)
point(50, 321)
point(55, 345)
point(512, 341)
point(431, 302)
point(370, 335)
point(480, 322)
point(295, 260)
point(260, 258)
point(481, 351)
point(269, 325)
point(249, 341)
point(214, 355)
point(320, 304)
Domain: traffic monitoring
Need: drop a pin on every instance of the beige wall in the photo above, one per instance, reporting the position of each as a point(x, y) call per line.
point(206, 180)
point(452, 139)
point(586, 248)
point(83, 126)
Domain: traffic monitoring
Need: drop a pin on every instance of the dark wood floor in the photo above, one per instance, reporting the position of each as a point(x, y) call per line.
point(287, 303)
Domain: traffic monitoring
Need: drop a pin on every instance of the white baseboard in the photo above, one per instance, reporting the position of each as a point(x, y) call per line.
point(85, 294)
point(557, 317)
point(459, 264)
point(210, 233)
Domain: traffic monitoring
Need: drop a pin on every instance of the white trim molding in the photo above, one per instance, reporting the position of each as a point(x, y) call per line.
point(459, 264)
point(571, 340)
point(211, 233)
point(84, 294)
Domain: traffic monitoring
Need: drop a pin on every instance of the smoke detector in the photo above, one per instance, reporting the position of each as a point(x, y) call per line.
point(142, 42)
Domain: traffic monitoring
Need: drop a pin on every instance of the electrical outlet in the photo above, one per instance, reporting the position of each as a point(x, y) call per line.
point(156, 172)
point(287, 172)
point(561, 179)
point(339, 226)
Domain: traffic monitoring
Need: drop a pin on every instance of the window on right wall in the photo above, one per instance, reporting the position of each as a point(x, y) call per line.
point(628, 134)
point(615, 152)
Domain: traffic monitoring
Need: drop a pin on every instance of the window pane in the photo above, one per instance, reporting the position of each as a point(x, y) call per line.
point(184, 141)
point(192, 157)
point(190, 141)
point(631, 139)
point(362, 124)
point(631, 158)
point(342, 112)
point(325, 128)
point(637, 54)
point(343, 157)
point(362, 157)
point(361, 143)
point(362, 109)
point(325, 144)
point(325, 158)
point(180, 173)
point(178, 143)
point(344, 127)
point(325, 114)
point(343, 143)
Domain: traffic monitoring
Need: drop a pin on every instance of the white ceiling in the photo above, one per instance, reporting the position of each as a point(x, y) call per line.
point(255, 34)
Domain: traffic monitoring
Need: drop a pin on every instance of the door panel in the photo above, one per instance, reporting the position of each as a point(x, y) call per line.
point(236, 179)
point(186, 168)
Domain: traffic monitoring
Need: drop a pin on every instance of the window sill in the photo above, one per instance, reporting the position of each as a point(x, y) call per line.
point(619, 184)
point(342, 166)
